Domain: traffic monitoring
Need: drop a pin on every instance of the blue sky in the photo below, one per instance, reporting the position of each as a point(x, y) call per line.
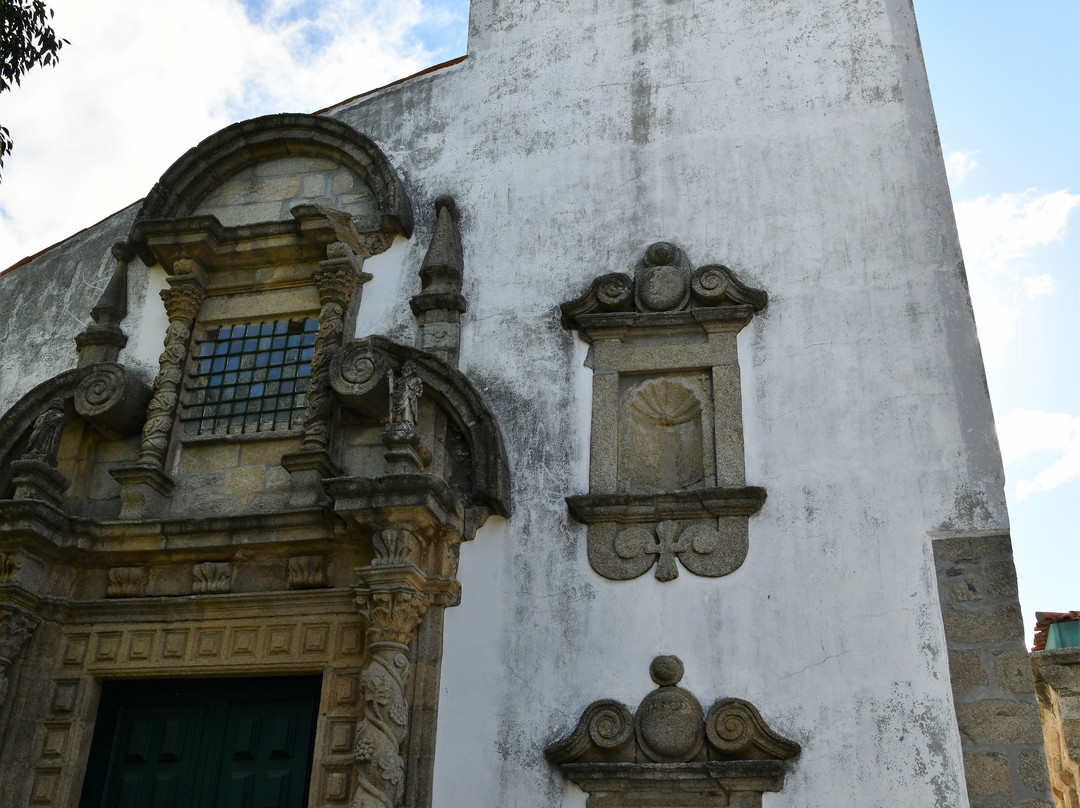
point(1005, 79)
point(1006, 84)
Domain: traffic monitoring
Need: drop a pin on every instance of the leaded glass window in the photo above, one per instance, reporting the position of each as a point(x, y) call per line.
point(251, 377)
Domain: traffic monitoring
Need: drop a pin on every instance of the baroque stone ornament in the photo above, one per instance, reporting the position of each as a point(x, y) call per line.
point(670, 752)
point(16, 626)
point(128, 582)
point(212, 578)
point(10, 563)
point(666, 480)
point(306, 572)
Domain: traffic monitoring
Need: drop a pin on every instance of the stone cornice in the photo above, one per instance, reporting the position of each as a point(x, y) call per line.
point(694, 503)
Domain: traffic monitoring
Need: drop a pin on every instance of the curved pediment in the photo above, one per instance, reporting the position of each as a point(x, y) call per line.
point(259, 170)
point(359, 375)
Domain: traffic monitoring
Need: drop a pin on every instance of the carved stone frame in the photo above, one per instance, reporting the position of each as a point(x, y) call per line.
point(666, 471)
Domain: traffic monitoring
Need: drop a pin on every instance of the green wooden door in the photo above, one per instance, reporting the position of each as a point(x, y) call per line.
point(226, 743)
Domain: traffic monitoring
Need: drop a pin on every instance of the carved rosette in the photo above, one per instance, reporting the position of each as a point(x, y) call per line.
point(336, 279)
point(16, 626)
point(182, 302)
point(392, 615)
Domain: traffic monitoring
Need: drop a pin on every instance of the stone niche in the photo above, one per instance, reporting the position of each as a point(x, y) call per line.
point(666, 472)
point(671, 753)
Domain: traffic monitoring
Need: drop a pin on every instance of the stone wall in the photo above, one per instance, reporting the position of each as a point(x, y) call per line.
point(1057, 684)
point(991, 677)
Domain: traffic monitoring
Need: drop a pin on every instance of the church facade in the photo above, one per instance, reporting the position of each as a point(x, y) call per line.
point(594, 420)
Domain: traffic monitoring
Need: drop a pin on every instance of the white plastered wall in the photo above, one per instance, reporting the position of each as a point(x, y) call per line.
point(795, 143)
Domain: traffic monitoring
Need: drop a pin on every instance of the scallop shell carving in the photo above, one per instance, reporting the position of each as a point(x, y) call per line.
point(666, 402)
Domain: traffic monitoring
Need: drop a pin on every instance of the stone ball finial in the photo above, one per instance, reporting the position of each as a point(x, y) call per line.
point(662, 253)
point(666, 670)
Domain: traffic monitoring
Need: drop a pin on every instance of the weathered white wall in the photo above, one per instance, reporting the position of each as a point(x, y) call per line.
point(794, 142)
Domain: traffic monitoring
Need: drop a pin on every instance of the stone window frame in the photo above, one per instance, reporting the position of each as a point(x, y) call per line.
point(199, 383)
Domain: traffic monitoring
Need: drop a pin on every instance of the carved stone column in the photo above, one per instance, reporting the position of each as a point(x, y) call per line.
point(336, 278)
point(340, 279)
point(391, 598)
point(182, 301)
point(16, 626)
point(145, 484)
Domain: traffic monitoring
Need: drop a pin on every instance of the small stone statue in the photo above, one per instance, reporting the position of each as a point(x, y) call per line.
point(45, 436)
point(404, 392)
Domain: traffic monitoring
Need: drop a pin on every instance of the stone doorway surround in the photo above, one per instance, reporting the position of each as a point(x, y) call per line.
point(134, 546)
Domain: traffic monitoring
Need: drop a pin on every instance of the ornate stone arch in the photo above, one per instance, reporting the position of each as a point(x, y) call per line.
point(222, 155)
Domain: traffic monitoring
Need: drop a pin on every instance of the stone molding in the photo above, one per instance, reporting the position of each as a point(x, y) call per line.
point(128, 582)
point(666, 468)
point(306, 572)
point(112, 399)
point(36, 479)
point(663, 283)
point(107, 395)
point(727, 756)
point(279, 635)
point(392, 601)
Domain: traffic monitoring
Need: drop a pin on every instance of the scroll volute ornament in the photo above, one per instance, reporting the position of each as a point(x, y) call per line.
point(671, 748)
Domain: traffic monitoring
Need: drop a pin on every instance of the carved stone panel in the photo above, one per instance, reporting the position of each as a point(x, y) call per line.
point(666, 476)
point(665, 435)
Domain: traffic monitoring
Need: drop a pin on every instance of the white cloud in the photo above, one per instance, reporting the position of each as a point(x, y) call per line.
point(958, 165)
point(1039, 285)
point(998, 235)
point(141, 83)
point(1037, 435)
